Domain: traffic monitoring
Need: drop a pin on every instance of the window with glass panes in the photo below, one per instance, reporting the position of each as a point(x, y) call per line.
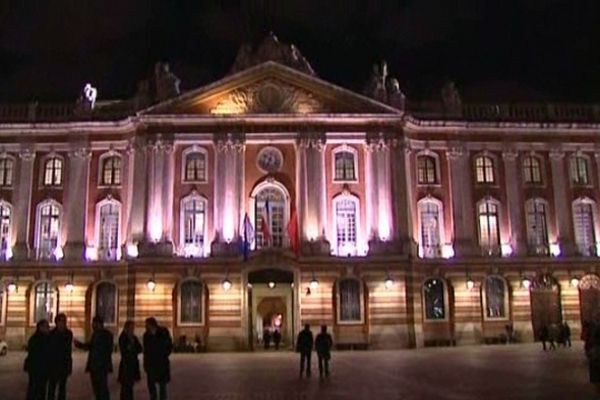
point(580, 170)
point(44, 302)
point(532, 170)
point(2, 295)
point(429, 213)
point(6, 172)
point(49, 229)
point(583, 219)
point(495, 296)
point(484, 170)
point(195, 167)
point(270, 202)
point(537, 229)
point(435, 304)
point(344, 166)
point(5, 219)
point(109, 231)
point(53, 169)
point(489, 229)
point(345, 221)
point(111, 171)
point(350, 307)
point(426, 170)
point(194, 209)
point(190, 302)
point(106, 302)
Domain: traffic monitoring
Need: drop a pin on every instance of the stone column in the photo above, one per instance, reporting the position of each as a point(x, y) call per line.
point(22, 203)
point(518, 242)
point(314, 194)
point(562, 211)
point(229, 195)
point(379, 188)
point(137, 188)
point(403, 197)
point(465, 241)
point(75, 211)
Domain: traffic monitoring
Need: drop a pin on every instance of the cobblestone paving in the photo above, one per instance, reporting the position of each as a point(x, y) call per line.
point(479, 372)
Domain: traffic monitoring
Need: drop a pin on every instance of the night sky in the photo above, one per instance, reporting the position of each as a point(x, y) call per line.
point(506, 50)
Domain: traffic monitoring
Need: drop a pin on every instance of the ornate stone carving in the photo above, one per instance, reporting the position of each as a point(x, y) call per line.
point(403, 144)
point(27, 154)
point(167, 84)
point(230, 142)
point(82, 152)
point(556, 153)
point(312, 141)
point(269, 96)
point(378, 142)
point(161, 144)
point(451, 98)
point(456, 151)
point(384, 88)
point(510, 153)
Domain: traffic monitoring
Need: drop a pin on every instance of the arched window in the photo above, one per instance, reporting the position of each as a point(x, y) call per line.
point(489, 227)
point(495, 298)
point(190, 303)
point(270, 210)
point(580, 170)
point(345, 164)
point(194, 165)
point(435, 302)
point(427, 170)
point(111, 170)
point(106, 302)
point(49, 215)
point(350, 309)
point(108, 214)
point(45, 302)
point(484, 169)
point(6, 171)
point(193, 225)
point(430, 227)
point(537, 228)
point(346, 208)
point(5, 228)
point(53, 171)
point(532, 170)
point(583, 221)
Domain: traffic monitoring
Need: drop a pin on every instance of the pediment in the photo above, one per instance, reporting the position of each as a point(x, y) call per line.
point(270, 88)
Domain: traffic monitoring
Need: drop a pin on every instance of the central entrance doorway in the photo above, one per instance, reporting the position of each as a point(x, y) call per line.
point(271, 309)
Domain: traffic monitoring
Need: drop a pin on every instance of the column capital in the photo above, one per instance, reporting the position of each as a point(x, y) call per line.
point(161, 143)
point(27, 154)
point(402, 144)
point(81, 152)
point(230, 142)
point(557, 154)
point(379, 141)
point(456, 151)
point(312, 140)
point(510, 154)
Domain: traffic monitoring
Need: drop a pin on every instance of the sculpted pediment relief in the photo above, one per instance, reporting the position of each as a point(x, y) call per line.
point(269, 96)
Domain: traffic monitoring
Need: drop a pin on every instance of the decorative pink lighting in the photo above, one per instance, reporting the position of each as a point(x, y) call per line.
point(384, 225)
point(58, 253)
point(91, 253)
point(447, 251)
point(506, 250)
point(132, 250)
point(192, 250)
point(555, 249)
point(156, 228)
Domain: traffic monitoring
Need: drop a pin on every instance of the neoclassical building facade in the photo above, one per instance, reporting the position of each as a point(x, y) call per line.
point(271, 198)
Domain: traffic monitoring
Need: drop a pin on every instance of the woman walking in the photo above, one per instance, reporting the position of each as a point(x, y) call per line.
point(129, 368)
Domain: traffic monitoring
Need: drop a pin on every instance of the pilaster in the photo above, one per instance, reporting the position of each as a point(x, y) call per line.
point(562, 211)
point(518, 242)
point(22, 203)
point(465, 243)
point(403, 197)
point(76, 204)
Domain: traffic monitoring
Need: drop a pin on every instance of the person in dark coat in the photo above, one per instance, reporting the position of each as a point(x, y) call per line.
point(157, 348)
point(544, 336)
point(566, 334)
point(36, 363)
point(129, 368)
point(594, 355)
point(323, 345)
point(277, 338)
point(304, 346)
point(267, 338)
point(99, 362)
point(61, 343)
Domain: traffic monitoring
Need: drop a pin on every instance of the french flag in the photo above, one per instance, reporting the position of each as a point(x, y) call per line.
point(265, 224)
point(248, 239)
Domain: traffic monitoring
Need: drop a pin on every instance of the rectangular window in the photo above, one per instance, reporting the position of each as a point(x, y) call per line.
point(344, 166)
point(193, 220)
point(489, 229)
point(350, 308)
point(430, 230)
point(109, 231)
point(584, 228)
point(49, 230)
point(345, 216)
point(579, 170)
point(44, 303)
point(426, 170)
point(532, 170)
point(6, 172)
point(4, 229)
point(195, 167)
point(484, 170)
point(190, 311)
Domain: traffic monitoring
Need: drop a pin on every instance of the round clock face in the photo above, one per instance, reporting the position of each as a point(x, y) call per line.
point(270, 159)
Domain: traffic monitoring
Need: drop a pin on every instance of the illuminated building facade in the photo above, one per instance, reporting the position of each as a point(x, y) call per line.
point(396, 223)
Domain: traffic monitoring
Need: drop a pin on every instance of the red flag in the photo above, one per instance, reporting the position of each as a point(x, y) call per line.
point(265, 224)
point(293, 233)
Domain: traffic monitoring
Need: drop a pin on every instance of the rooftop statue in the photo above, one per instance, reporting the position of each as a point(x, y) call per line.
point(451, 98)
point(87, 99)
point(383, 87)
point(167, 84)
point(271, 49)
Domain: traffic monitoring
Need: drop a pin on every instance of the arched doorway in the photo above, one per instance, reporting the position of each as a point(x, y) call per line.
point(545, 303)
point(589, 297)
point(271, 306)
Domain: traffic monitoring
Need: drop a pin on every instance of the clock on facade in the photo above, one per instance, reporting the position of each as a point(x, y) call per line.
point(270, 159)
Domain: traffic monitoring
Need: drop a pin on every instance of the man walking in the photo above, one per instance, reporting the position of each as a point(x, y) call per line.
point(61, 342)
point(323, 344)
point(157, 348)
point(304, 346)
point(99, 362)
point(36, 363)
point(566, 334)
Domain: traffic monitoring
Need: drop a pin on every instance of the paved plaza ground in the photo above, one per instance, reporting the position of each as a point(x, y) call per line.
point(476, 372)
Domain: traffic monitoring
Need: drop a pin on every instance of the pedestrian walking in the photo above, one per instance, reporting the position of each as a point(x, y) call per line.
point(304, 346)
point(323, 345)
point(267, 338)
point(99, 362)
point(129, 367)
point(277, 338)
point(36, 362)
point(544, 336)
point(157, 348)
point(553, 336)
point(566, 334)
point(594, 355)
point(61, 349)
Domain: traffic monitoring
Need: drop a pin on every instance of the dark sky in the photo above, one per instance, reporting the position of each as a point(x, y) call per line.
point(524, 49)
